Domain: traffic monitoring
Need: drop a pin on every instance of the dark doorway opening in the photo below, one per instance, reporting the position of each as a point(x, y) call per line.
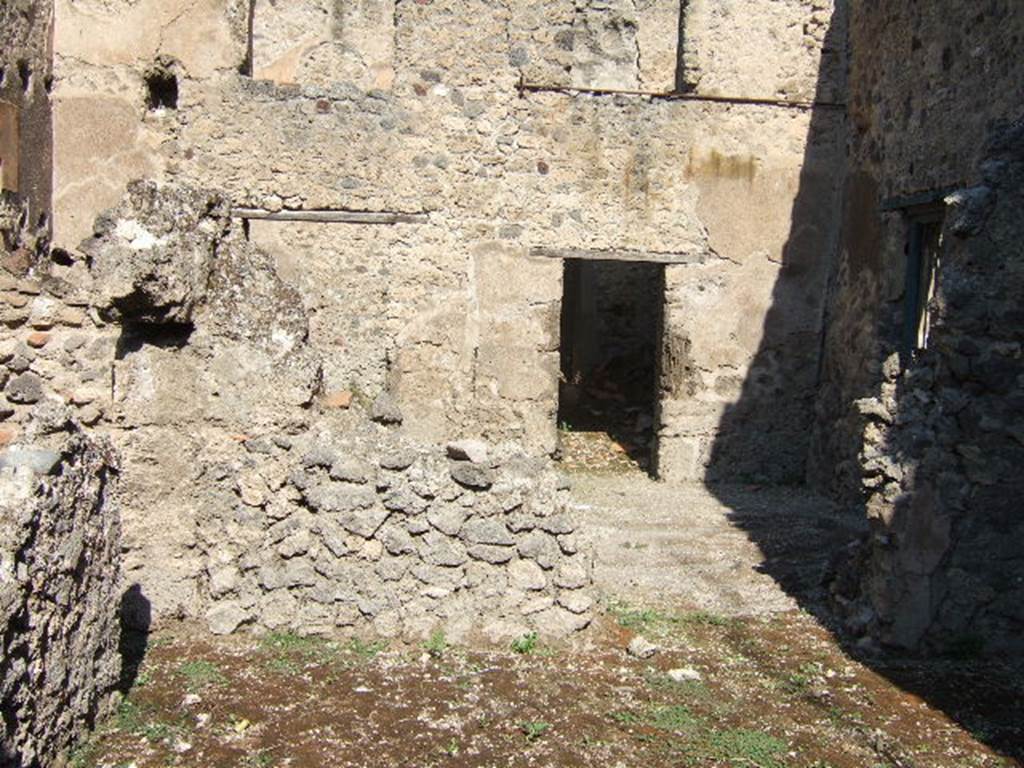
point(611, 329)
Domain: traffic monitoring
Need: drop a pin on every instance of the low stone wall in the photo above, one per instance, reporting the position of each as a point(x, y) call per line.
point(59, 582)
point(362, 530)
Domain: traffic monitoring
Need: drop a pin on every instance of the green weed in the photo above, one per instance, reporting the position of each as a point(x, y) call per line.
point(706, 618)
point(84, 755)
point(672, 718)
point(525, 644)
point(366, 650)
point(200, 674)
point(647, 621)
point(436, 645)
point(533, 730)
point(750, 747)
point(290, 652)
point(625, 717)
point(261, 759)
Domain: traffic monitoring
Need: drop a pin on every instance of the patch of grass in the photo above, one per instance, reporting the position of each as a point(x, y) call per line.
point(748, 747)
point(534, 729)
point(796, 682)
point(625, 717)
point(672, 718)
point(200, 674)
point(142, 679)
point(650, 622)
point(689, 688)
point(134, 719)
point(841, 718)
point(525, 644)
point(129, 716)
point(800, 681)
point(293, 643)
point(706, 618)
point(289, 652)
point(284, 665)
point(637, 619)
point(453, 748)
point(84, 755)
point(365, 650)
point(437, 644)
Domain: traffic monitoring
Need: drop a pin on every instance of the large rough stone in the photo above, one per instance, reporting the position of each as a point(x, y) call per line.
point(351, 470)
point(472, 476)
point(487, 531)
point(491, 554)
point(385, 410)
point(41, 462)
point(224, 618)
point(527, 575)
point(25, 388)
point(474, 451)
point(339, 497)
point(364, 522)
point(153, 255)
point(541, 548)
point(448, 519)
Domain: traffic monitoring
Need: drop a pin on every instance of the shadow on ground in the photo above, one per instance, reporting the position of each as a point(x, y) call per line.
point(766, 434)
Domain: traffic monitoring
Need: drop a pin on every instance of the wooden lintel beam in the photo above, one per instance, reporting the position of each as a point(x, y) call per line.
point(603, 254)
point(333, 217)
point(566, 90)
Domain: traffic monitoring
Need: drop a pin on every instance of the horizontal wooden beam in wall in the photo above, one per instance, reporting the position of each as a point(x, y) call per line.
point(603, 254)
point(754, 101)
point(333, 217)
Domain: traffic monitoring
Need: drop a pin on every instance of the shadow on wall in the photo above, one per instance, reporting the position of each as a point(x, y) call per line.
point(766, 437)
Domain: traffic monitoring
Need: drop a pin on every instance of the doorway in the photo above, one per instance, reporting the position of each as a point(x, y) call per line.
point(611, 327)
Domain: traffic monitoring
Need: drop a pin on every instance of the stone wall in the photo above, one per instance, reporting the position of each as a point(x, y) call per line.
point(420, 108)
point(59, 592)
point(927, 440)
point(258, 498)
point(355, 527)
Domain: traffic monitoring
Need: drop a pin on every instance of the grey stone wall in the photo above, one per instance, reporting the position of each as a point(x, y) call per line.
point(59, 593)
point(927, 444)
point(362, 530)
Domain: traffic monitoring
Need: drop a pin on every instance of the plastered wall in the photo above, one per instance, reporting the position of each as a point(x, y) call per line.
point(493, 127)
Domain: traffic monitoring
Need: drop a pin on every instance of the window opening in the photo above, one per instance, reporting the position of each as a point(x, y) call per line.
point(923, 251)
point(161, 88)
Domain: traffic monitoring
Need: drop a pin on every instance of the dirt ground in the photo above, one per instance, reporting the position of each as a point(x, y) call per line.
point(743, 674)
point(768, 691)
